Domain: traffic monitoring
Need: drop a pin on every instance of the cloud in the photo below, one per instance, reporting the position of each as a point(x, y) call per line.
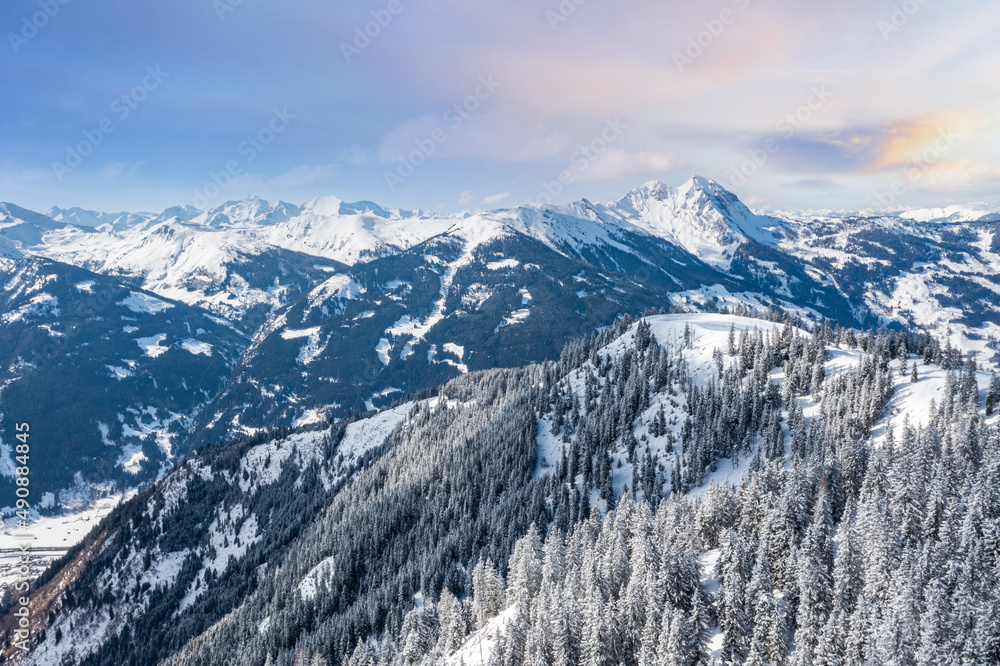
point(301, 176)
point(495, 198)
point(501, 134)
point(356, 155)
point(858, 150)
point(618, 162)
point(118, 170)
point(912, 139)
point(819, 184)
point(954, 176)
point(464, 198)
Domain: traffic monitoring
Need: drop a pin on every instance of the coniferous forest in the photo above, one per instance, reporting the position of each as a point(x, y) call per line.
point(677, 490)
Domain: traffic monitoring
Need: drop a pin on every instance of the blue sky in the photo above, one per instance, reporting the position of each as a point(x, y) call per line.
point(447, 105)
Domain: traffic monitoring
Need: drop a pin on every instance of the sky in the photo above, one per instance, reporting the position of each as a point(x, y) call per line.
point(448, 105)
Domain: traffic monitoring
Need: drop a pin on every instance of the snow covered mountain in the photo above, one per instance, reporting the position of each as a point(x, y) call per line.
point(348, 307)
point(495, 520)
point(111, 375)
point(702, 217)
point(93, 219)
point(942, 275)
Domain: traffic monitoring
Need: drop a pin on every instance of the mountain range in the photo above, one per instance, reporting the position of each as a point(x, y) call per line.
point(662, 429)
point(188, 327)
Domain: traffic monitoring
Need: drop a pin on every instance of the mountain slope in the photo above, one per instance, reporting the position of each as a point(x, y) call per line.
point(108, 376)
point(462, 476)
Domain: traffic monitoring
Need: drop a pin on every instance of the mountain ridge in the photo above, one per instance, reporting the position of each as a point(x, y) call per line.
point(417, 299)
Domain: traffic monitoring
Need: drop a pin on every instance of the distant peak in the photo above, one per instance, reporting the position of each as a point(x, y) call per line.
point(328, 205)
point(706, 186)
point(702, 182)
point(651, 188)
point(654, 189)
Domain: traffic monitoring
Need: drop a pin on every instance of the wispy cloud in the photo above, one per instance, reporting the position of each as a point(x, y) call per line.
point(118, 170)
point(494, 199)
point(616, 163)
point(303, 175)
point(605, 60)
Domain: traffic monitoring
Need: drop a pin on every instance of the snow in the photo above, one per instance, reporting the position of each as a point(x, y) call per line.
point(349, 233)
point(196, 347)
point(229, 544)
point(519, 316)
point(700, 216)
point(911, 403)
point(359, 438)
point(165, 569)
point(457, 350)
point(105, 431)
point(479, 646)
point(707, 564)
point(184, 256)
point(132, 458)
point(151, 345)
point(339, 286)
point(366, 434)
point(309, 351)
point(500, 265)
point(289, 334)
point(49, 536)
point(309, 417)
point(954, 213)
point(708, 333)
point(146, 423)
point(262, 465)
point(550, 448)
point(40, 305)
point(119, 372)
point(382, 349)
point(475, 295)
point(417, 330)
point(144, 303)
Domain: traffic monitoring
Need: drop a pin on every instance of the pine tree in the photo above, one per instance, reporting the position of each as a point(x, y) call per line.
point(734, 611)
point(830, 647)
point(451, 633)
point(596, 648)
point(993, 394)
point(935, 626)
point(488, 592)
point(676, 644)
